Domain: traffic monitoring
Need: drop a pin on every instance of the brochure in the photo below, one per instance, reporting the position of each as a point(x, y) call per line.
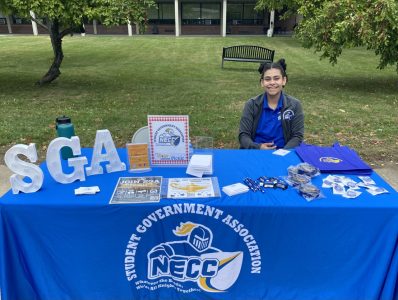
point(200, 165)
point(137, 157)
point(137, 190)
point(181, 188)
point(235, 189)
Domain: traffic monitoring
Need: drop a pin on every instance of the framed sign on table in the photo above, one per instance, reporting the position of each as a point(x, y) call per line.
point(169, 140)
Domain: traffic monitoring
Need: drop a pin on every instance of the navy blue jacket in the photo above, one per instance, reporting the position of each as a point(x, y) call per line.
point(292, 122)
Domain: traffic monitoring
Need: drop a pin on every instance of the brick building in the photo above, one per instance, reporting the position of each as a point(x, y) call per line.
point(182, 17)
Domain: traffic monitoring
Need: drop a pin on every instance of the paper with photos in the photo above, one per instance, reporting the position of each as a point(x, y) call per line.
point(137, 190)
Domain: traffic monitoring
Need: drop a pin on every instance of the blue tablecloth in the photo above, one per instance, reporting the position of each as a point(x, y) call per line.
point(272, 245)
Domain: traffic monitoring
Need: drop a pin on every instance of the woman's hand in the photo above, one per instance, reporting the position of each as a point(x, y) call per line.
point(268, 146)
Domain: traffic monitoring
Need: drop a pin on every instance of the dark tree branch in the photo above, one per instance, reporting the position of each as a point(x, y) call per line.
point(40, 23)
point(66, 32)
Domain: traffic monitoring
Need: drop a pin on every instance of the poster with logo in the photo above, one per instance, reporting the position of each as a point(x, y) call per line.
point(137, 190)
point(169, 140)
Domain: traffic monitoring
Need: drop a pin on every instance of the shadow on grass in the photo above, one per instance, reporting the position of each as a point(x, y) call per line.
point(358, 84)
point(364, 84)
point(11, 86)
point(253, 67)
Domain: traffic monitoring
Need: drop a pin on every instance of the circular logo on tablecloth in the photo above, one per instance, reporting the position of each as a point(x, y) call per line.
point(192, 256)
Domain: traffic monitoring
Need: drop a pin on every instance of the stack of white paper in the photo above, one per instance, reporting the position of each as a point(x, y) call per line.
point(200, 164)
point(87, 190)
point(235, 189)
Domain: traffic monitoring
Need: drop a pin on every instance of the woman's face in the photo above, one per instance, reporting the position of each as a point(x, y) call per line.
point(273, 81)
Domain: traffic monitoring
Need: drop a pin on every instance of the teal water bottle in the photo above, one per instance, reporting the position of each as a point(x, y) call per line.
point(65, 128)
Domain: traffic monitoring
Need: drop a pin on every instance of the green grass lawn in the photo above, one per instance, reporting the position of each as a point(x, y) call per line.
point(113, 83)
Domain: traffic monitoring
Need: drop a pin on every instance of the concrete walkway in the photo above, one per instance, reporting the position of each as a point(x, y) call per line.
point(388, 172)
point(5, 174)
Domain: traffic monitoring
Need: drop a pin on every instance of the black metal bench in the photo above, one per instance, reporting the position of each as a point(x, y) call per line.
point(247, 53)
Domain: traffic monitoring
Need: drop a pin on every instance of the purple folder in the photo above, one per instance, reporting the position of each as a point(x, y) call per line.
point(335, 159)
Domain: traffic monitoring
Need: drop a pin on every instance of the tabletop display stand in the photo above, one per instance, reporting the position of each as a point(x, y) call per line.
point(138, 157)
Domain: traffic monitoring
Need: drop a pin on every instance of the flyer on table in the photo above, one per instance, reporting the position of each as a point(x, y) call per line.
point(169, 140)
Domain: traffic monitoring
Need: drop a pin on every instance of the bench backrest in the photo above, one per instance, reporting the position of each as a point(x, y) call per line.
point(249, 52)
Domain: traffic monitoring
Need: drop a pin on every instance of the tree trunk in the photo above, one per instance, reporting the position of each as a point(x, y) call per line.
point(56, 42)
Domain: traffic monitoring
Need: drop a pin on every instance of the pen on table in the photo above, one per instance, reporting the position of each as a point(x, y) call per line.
point(248, 182)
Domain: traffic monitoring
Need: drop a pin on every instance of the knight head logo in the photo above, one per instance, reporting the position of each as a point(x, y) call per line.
point(169, 137)
point(199, 236)
point(288, 114)
point(192, 258)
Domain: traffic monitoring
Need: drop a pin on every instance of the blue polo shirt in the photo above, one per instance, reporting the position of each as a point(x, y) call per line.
point(269, 128)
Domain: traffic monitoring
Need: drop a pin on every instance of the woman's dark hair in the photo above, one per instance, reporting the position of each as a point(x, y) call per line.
point(280, 65)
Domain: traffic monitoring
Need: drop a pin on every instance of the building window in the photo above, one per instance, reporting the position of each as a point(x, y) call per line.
point(191, 10)
point(244, 14)
point(162, 13)
point(153, 13)
point(210, 11)
point(167, 11)
point(250, 13)
point(19, 21)
point(235, 12)
point(201, 13)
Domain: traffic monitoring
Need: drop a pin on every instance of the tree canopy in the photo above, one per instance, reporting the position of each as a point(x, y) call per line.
point(63, 17)
point(329, 26)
